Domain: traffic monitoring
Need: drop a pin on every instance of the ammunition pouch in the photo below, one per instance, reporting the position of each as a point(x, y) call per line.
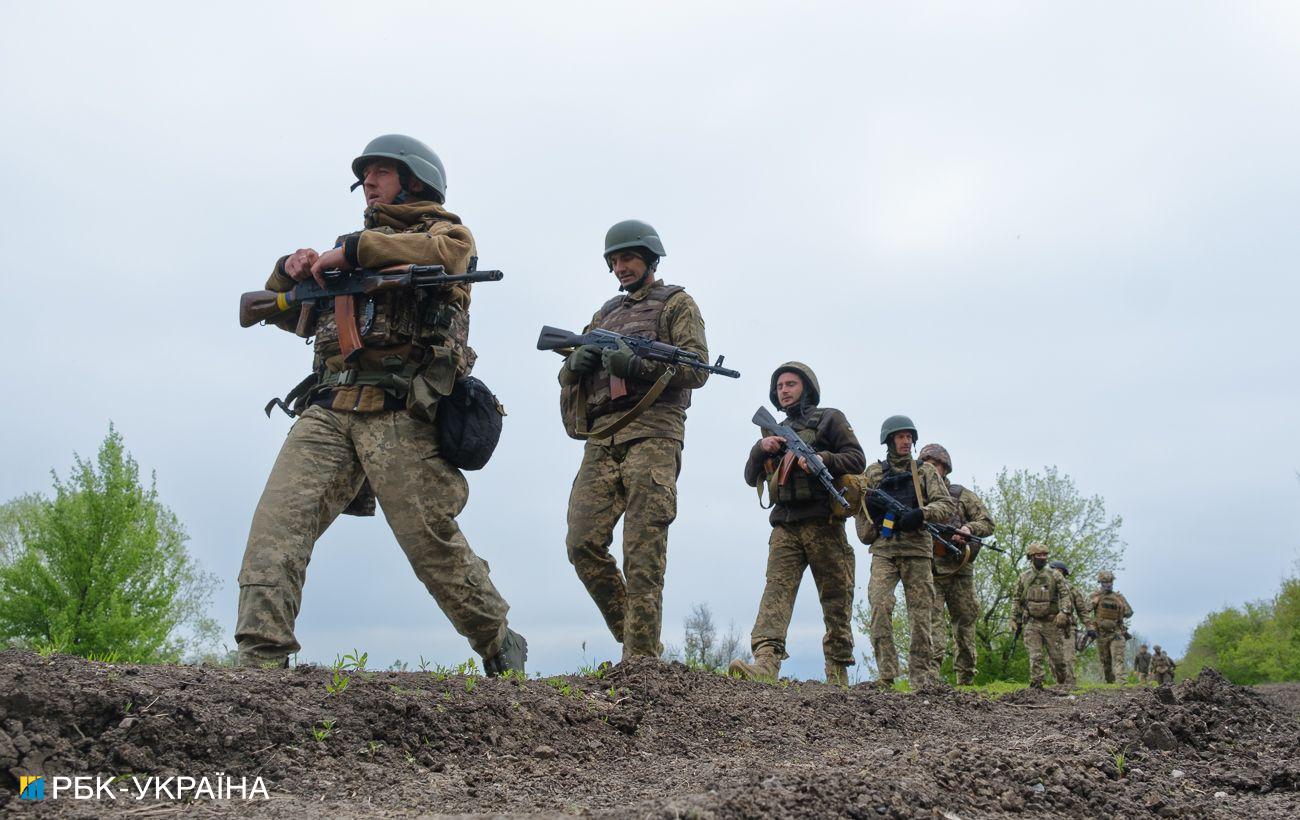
point(469, 424)
point(1039, 603)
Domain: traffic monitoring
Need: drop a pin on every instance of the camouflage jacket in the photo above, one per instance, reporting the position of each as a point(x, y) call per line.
point(838, 448)
point(936, 503)
point(1078, 606)
point(681, 325)
point(1040, 594)
point(972, 512)
point(1142, 661)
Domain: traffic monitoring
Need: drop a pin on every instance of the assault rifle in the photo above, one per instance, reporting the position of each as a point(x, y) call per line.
point(949, 530)
point(898, 509)
point(1084, 639)
point(801, 449)
point(552, 338)
point(342, 287)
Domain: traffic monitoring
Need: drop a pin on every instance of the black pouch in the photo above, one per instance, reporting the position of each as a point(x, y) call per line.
point(469, 424)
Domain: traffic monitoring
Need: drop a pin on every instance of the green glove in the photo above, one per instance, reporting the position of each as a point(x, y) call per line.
point(585, 359)
point(620, 361)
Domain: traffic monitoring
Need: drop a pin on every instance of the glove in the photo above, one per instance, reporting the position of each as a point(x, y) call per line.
point(1092, 633)
point(910, 521)
point(1061, 620)
point(619, 361)
point(584, 360)
point(876, 507)
point(1015, 626)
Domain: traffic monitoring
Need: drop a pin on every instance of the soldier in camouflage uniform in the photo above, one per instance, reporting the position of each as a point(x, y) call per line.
point(631, 461)
point(370, 422)
point(1142, 663)
point(901, 550)
point(954, 579)
point(1076, 612)
point(1041, 606)
point(1107, 611)
point(1162, 667)
point(804, 531)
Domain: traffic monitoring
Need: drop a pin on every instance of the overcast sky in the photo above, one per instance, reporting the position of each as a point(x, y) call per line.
point(1053, 234)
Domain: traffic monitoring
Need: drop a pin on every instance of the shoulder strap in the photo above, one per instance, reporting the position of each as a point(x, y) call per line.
point(632, 414)
point(916, 484)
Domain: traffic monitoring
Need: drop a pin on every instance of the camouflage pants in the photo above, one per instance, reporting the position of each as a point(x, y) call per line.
point(1164, 677)
point(958, 593)
point(1042, 634)
point(635, 480)
point(918, 590)
point(318, 471)
point(792, 548)
point(1145, 677)
point(1110, 651)
point(1068, 655)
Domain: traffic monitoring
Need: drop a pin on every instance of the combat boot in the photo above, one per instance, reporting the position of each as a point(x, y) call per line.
point(766, 666)
point(511, 656)
point(837, 673)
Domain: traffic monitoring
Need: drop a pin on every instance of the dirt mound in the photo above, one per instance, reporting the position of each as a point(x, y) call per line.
point(644, 739)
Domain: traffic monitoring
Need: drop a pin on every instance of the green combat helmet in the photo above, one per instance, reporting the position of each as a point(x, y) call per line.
point(633, 233)
point(1036, 549)
point(418, 158)
point(812, 391)
point(1106, 577)
point(896, 424)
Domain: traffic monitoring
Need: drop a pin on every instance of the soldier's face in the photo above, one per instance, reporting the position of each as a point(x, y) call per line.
point(903, 442)
point(627, 266)
point(789, 389)
point(1039, 561)
point(381, 183)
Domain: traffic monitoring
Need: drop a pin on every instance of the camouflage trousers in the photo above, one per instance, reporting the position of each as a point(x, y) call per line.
point(1163, 677)
point(918, 590)
point(793, 547)
point(1110, 651)
point(1145, 677)
point(1042, 634)
point(636, 481)
point(957, 591)
point(318, 471)
point(1067, 655)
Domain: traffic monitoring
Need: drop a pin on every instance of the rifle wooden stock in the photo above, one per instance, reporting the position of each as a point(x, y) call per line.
point(260, 305)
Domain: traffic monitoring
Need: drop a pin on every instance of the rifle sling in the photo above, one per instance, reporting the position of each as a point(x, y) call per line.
point(631, 415)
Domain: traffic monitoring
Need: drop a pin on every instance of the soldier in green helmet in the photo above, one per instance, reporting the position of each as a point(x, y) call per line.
point(633, 448)
point(901, 549)
point(805, 533)
point(1107, 611)
point(368, 423)
point(1041, 608)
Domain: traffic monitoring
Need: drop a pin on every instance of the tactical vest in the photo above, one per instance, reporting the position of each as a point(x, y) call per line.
point(899, 485)
point(1109, 612)
point(1160, 664)
point(642, 318)
point(799, 486)
point(945, 563)
point(1040, 598)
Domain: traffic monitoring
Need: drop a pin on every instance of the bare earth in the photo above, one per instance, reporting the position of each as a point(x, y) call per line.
point(647, 740)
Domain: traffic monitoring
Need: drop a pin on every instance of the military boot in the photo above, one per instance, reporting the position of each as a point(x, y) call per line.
point(766, 666)
point(837, 673)
point(511, 656)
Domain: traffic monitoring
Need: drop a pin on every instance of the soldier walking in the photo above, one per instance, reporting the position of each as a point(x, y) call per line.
point(1040, 609)
point(1142, 663)
point(901, 551)
point(805, 533)
point(370, 420)
point(632, 457)
point(1162, 666)
point(954, 578)
point(1076, 612)
point(1107, 611)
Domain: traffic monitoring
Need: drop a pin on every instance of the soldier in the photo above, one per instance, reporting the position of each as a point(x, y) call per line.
point(1075, 619)
point(903, 550)
point(632, 457)
point(370, 420)
point(1040, 607)
point(804, 531)
point(1142, 663)
point(1107, 610)
point(954, 579)
point(1162, 666)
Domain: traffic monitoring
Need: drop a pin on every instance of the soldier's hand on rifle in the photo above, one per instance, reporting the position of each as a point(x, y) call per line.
point(1092, 633)
point(910, 521)
point(298, 264)
point(771, 444)
point(1061, 620)
point(877, 506)
point(619, 361)
point(584, 359)
point(803, 465)
point(332, 259)
point(958, 537)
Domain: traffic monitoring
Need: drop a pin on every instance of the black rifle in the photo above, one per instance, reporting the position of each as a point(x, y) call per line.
point(342, 287)
point(1020, 627)
point(801, 449)
point(949, 530)
point(552, 338)
point(900, 509)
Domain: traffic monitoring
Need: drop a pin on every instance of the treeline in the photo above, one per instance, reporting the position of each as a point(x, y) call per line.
point(1256, 643)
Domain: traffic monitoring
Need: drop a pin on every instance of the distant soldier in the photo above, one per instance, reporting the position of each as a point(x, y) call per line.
point(1142, 663)
point(1162, 666)
point(1040, 608)
point(804, 533)
point(901, 549)
point(954, 579)
point(1075, 622)
point(1107, 610)
point(631, 471)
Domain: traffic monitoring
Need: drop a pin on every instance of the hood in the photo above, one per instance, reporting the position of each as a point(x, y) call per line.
point(812, 391)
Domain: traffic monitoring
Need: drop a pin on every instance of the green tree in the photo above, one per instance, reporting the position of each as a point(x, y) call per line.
point(1256, 643)
point(100, 570)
